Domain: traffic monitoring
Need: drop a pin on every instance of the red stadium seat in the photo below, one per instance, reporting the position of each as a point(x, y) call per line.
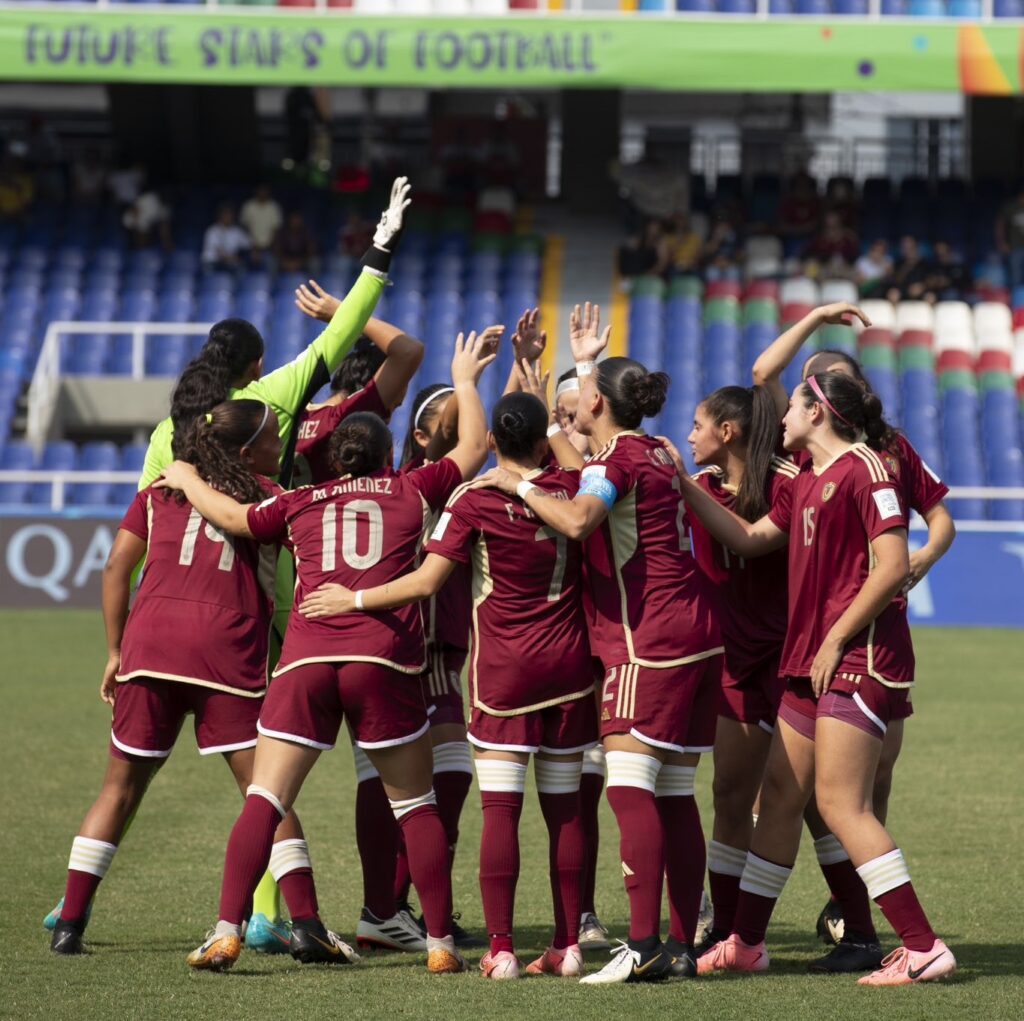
point(340, 3)
point(523, 5)
point(915, 338)
point(723, 289)
point(296, 3)
point(875, 336)
point(953, 360)
point(794, 311)
point(1018, 318)
point(762, 289)
point(995, 361)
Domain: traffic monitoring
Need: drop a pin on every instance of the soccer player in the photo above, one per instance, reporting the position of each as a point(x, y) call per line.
point(655, 632)
point(177, 653)
point(530, 678)
point(849, 664)
point(364, 527)
point(736, 435)
point(922, 492)
point(567, 399)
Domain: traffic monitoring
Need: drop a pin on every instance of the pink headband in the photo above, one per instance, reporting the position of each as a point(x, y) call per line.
point(813, 384)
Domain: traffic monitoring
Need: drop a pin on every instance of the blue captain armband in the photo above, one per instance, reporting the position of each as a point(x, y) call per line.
point(593, 484)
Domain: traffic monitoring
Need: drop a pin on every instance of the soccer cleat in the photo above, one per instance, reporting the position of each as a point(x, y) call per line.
point(266, 936)
point(712, 939)
point(464, 940)
point(593, 935)
point(443, 958)
point(51, 920)
point(733, 954)
point(705, 918)
point(313, 943)
point(830, 926)
point(684, 961)
point(567, 963)
point(67, 938)
point(504, 964)
point(399, 932)
point(850, 954)
point(216, 953)
point(629, 965)
point(905, 967)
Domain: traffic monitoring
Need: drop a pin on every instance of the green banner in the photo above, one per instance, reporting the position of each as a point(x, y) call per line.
point(303, 47)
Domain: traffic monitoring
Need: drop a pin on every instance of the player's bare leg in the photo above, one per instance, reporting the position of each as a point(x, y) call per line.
point(892, 744)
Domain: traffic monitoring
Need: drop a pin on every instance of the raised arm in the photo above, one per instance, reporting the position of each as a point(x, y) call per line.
point(529, 381)
point(887, 577)
point(472, 356)
point(941, 533)
point(425, 581)
point(528, 342)
point(776, 357)
point(218, 508)
point(127, 550)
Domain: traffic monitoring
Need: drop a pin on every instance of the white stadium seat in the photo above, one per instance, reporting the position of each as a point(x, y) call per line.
point(838, 290)
point(799, 291)
point(954, 327)
point(991, 317)
point(762, 266)
point(1018, 353)
point(761, 247)
point(914, 315)
point(881, 313)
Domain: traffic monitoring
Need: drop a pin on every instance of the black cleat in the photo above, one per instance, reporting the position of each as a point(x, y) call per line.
point(313, 943)
point(67, 938)
point(852, 953)
point(684, 960)
point(463, 940)
point(713, 938)
point(830, 926)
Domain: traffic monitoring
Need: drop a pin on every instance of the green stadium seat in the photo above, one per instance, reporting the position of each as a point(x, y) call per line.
point(686, 287)
point(648, 287)
point(761, 310)
point(722, 310)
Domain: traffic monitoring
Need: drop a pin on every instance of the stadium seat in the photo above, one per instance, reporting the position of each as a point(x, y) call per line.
point(954, 327)
point(61, 455)
point(838, 290)
point(16, 456)
point(799, 290)
point(926, 9)
point(881, 313)
point(914, 315)
point(1009, 8)
point(736, 7)
point(815, 8)
point(850, 8)
point(98, 456)
point(964, 9)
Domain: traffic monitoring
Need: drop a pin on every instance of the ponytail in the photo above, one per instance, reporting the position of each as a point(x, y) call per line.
point(855, 413)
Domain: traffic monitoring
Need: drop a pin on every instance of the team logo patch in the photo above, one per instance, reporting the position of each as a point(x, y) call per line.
point(827, 491)
point(892, 464)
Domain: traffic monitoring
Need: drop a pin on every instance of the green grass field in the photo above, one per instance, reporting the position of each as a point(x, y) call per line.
point(957, 810)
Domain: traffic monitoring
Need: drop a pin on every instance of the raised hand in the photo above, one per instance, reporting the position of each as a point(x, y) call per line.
point(585, 337)
point(474, 353)
point(839, 313)
point(529, 340)
point(532, 383)
point(391, 219)
point(312, 300)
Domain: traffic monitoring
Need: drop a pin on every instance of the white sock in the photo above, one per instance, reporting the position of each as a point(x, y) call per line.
point(557, 777)
point(764, 878)
point(884, 873)
point(227, 929)
point(453, 757)
point(92, 856)
point(632, 769)
point(287, 856)
point(829, 850)
point(726, 860)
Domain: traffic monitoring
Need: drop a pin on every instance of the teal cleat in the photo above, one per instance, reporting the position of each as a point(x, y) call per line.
point(267, 937)
point(51, 920)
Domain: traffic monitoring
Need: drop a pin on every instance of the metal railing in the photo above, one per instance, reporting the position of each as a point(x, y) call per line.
point(44, 389)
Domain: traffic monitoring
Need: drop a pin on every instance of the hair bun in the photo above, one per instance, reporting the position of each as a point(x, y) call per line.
point(650, 391)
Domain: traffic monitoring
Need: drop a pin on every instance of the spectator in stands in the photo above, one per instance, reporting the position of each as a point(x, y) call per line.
point(88, 177)
point(148, 221)
point(126, 183)
point(644, 253)
point(1010, 237)
point(261, 218)
point(873, 268)
point(842, 199)
point(722, 248)
point(17, 189)
point(833, 250)
point(950, 279)
point(800, 208)
point(295, 247)
point(909, 280)
point(225, 244)
point(683, 244)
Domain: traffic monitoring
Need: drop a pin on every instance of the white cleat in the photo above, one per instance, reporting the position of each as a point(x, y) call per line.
point(396, 933)
point(629, 965)
point(705, 918)
point(593, 935)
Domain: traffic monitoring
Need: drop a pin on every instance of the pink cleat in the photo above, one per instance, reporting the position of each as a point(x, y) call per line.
point(501, 965)
point(904, 967)
point(567, 963)
point(732, 954)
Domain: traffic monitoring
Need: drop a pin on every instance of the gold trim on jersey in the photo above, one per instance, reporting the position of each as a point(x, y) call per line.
point(560, 700)
point(390, 664)
point(198, 682)
point(482, 587)
point(876, 467)
point(781, 466)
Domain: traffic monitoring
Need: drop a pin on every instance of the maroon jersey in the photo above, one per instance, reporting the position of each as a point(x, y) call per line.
point(202, 611)
point(317, 426)
point(752, 594)
point(356, 532)
point(831, 517)
point(530, 647)
point(651, 604)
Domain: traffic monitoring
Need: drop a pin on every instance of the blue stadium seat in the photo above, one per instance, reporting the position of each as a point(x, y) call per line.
point(695, 6)
point(850, 8)
point(133, 457)
point(98, 456)
point(926, 8)
point(746, 7)
point(964, 9)
point(16, 456)
point(61, 455)
point(1009, 9)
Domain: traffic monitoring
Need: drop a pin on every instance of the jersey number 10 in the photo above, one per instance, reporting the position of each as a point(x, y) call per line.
point(349, 523)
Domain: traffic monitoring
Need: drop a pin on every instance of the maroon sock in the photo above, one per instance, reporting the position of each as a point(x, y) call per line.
point(78, 893)
point(642, 849)
point(403, 877)
point(377, 840)
point(685, 862)
point(849, 889)
point(591, 786)
point(725, 893)
point(451, 788)
point(247, 857)
point(499, 863)
point(428, 865)
point(566, 856)
point(299, 893)
point(753, 913)
point(904, 913)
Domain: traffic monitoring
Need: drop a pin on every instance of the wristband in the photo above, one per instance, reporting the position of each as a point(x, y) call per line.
point(359, 599)
point(523, 488)
point(584, 369)
point(553, 429)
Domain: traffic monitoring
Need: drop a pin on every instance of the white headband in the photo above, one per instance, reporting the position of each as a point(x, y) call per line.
point(569, 385)
point(252, 439)
point(430, 400)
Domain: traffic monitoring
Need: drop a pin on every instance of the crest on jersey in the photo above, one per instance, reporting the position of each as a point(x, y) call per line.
point(827, 490)
point(892, 464)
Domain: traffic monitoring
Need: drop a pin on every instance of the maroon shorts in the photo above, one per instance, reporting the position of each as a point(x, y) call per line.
point(383, 707)
point(868, 705)
point(559, 729)
point(442, 685)
point(755, 698)
point(675, 708)
point(148, 713)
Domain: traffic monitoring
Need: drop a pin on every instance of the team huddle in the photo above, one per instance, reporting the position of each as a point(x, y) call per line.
point(615, 619)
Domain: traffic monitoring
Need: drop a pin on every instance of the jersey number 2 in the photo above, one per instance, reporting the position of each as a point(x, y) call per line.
point(349, 518)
